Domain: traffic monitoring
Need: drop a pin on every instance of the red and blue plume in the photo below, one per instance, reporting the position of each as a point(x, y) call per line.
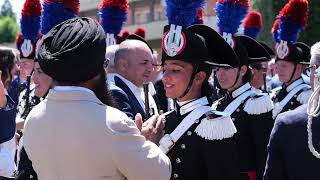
point(113, 13)
point(183, 12)
point(140, 31)
point(274, 30)
point(200, 17)
point(125, 34)
point(30, 20)
point(57, 11)
point(252, 24)
point(230, 14)
point(293, 19)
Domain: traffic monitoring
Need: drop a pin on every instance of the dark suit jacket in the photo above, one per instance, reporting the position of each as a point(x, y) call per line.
point(126, 100)
point(289, 157)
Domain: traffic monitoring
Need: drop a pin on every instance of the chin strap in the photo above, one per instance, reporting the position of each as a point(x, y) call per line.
point(194, 72)
point(238, 75)
point(294, 71)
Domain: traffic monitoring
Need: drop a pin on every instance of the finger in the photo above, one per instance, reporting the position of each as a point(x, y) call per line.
point(154, 120)
point(138, 121)
point(160, 122)
point(161, 112)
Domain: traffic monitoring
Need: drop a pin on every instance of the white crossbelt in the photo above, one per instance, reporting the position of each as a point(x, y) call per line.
point(169, 140)
point(280, 105)
point(236, 103)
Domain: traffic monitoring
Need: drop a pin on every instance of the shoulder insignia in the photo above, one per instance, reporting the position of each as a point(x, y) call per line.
point(304, 96)
point(216, 126)
point(261, 103)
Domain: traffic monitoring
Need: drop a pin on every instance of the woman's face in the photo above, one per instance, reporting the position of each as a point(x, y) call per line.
point(176, 77)
point(41, 80)
point(227, 77)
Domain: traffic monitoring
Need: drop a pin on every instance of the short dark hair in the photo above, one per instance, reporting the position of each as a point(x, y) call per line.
point(7, 61)
point(247, 76)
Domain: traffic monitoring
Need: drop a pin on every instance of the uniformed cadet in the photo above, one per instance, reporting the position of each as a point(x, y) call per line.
point(250, 112)
point(294, 142)
point(199, 141)
point(290, 61)
point(252, 27)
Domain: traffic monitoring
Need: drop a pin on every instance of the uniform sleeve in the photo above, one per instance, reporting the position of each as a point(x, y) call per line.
point(274, 167)
point(135, 157)
point(123, 103)
point(221, 159)
point(261, 126)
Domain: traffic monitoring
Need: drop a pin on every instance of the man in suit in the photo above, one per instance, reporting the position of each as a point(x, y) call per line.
point(73, 134)
point(133, 64)
point(294, 141)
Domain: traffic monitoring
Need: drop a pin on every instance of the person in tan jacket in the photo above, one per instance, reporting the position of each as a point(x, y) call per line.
point(73, 134)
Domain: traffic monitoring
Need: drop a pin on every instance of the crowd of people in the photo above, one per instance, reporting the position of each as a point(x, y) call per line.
point(79, 101)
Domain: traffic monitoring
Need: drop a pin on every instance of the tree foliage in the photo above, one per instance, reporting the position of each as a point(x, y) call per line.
point(6, 10)
point(8, 29)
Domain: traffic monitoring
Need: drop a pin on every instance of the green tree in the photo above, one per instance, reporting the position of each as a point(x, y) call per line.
point(270, 9)
point(6, 10)
point(8, 29)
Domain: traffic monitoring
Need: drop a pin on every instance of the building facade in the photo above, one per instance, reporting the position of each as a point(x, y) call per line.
point(149, 14)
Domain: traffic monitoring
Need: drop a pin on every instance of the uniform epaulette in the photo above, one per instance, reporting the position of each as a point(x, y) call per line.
point(304, 96)
point(258, 104)
point(216, 126)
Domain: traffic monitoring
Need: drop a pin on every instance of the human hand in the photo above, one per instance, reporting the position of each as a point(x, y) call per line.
point(152, 129)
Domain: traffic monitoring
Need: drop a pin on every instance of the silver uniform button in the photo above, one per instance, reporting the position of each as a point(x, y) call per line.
point(183, 146)
point(178, 160)
point(31, 176)
point(238, 110)
point(295, 96)
point(175, 175)
point(233, 119)
point(291, 103)
point(197, 121)
point(189, 133)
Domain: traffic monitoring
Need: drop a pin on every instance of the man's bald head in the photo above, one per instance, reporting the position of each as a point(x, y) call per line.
point(110, 53)
point(133, 60)
point(128, 48)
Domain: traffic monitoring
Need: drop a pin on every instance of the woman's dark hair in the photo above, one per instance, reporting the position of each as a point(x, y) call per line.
point(207, 90)
point(7, 61)
point(248, 76)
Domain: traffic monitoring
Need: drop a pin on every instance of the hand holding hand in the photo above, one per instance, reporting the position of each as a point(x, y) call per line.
point(152, 129)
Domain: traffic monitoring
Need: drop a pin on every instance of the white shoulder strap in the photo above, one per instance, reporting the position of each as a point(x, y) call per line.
point(237, 102)
point(168, 140)
point(279, 106)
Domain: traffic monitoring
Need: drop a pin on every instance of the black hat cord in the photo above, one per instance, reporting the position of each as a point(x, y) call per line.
point(294, 71)
point(194, 72)
point(238, 75)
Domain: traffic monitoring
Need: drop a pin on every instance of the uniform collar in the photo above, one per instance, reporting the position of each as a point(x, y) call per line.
point(73, 88)
point(190, 106)
point(241, 90)
point(294, 84)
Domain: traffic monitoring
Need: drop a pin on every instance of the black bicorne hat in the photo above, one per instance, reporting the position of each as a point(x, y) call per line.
point(286, 51)
point(220, 52)
point(256, 51)
point(266, 47)
point(305, 52)
point(183, 44)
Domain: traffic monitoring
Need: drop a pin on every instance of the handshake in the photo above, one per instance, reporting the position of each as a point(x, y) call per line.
point(152, 129)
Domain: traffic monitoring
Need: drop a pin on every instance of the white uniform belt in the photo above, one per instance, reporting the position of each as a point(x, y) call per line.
point(168, 140)
point(279, 106)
